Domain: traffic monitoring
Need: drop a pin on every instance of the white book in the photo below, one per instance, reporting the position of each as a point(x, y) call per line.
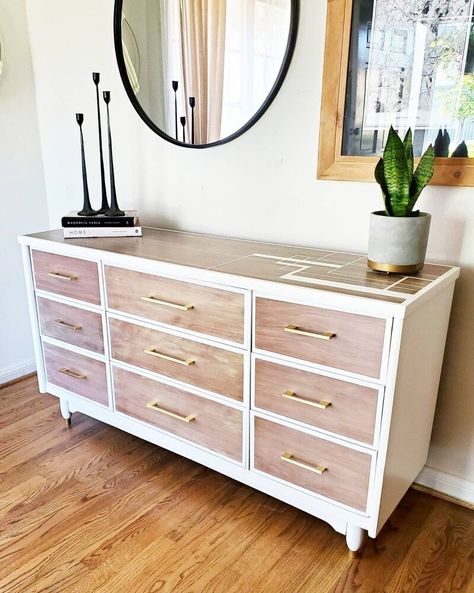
point(97, 232)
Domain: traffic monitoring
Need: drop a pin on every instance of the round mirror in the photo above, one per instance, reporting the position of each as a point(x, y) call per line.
point(202, 72)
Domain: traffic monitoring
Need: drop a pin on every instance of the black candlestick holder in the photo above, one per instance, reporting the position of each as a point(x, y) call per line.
point(192, 104)
point(174, 85)
point(114, 209)
point(87, 209)
point(183, 123)
point(104, 205)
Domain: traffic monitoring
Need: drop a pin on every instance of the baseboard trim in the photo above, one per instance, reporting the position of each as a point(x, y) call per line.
point(9, 374)
point(448, 486)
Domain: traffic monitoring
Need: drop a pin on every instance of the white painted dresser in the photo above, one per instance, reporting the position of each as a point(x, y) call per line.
point(296, 371)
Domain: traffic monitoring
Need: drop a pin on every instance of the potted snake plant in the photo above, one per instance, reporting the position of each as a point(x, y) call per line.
point(399, 234)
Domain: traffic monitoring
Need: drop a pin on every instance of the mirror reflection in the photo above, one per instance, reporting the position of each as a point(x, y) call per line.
point(411, 65)
point(201, 70)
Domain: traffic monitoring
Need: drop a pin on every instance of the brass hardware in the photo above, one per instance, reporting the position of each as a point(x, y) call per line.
point(317, 469)
point(294, 329)
point(322, 405)
point(74, 375)
point(75, 328)
point(394, 269)
point(154, 405)
point(153, 352)
point(152, 299)
point(62, 276)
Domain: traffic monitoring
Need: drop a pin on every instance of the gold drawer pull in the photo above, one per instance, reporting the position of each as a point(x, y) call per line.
point(73, 374)
point(317, 469)
point(154, 405)
point(322, 405)
point(152, 299)
point(62, 276)
point(153, 352)
point(294, 329)
point(62, 323)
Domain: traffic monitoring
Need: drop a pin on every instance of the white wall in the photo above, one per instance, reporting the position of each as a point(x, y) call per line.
point(260, 186)
point(23, 200)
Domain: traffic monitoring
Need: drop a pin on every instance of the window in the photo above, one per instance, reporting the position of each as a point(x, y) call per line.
point(406, 63)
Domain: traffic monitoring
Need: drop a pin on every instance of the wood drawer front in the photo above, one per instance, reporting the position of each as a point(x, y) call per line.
point(357, 346)
point(213, 368)
point(346, 479)
point(68, 276)
point(303, 396)
point(204, 422)
point(205, 310)
point(71, 324)
point(76, 373)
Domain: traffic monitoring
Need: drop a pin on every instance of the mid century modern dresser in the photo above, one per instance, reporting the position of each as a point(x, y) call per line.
point(296, 371)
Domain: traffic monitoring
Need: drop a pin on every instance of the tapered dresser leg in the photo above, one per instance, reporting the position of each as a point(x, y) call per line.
point(65, 413)
point(354, 539)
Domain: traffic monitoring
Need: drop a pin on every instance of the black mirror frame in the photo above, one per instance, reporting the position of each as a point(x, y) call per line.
point(295, 9)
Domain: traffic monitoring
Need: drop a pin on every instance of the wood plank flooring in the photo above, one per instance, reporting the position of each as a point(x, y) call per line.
point(94, 510)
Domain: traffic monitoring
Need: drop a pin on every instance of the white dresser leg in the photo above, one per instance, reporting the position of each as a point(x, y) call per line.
point(354, 538)
point(65, 413)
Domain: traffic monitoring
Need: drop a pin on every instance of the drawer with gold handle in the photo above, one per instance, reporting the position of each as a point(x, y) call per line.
point(71, 324)
point(202, 309)
point(341, 407)
point(345, 341)
point(77, 373)
point(330, 469)
point(197, 419)
point(67, 276)
point(210, 367)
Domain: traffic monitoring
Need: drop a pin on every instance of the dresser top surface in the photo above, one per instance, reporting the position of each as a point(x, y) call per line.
point(297, 266)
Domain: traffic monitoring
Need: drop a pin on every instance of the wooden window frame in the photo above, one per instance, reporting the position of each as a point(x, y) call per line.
point(331, 163)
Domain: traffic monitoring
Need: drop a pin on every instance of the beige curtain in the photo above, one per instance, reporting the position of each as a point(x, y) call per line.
point(203, 27)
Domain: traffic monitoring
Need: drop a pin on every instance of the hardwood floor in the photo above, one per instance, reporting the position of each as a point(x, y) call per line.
point(92, 509)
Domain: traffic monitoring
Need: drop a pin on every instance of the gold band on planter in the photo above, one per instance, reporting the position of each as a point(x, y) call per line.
point(394, 269)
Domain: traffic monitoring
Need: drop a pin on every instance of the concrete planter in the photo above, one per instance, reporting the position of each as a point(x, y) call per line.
point(397, 243)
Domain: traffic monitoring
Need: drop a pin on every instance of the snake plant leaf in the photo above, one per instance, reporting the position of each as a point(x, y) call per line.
point(446, 141)
point(422, 176)
point(380, 178)
point(396, 173)
point(461, 150)
point(442, 142)
point(441, 145)
point(408, 144)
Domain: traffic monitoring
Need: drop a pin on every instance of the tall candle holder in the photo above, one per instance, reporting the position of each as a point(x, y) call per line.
point(114, 209)
point(192, 104)
point(87, 209)
point(104, 205)
point(174, 85)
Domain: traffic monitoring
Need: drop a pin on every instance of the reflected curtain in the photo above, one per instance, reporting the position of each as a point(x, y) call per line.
point(257, 34)
point(203, 32)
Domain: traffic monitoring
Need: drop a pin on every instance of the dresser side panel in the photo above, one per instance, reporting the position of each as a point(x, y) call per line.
point(413, 405)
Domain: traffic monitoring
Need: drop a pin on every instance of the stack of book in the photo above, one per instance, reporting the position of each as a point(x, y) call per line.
point(85, 227)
